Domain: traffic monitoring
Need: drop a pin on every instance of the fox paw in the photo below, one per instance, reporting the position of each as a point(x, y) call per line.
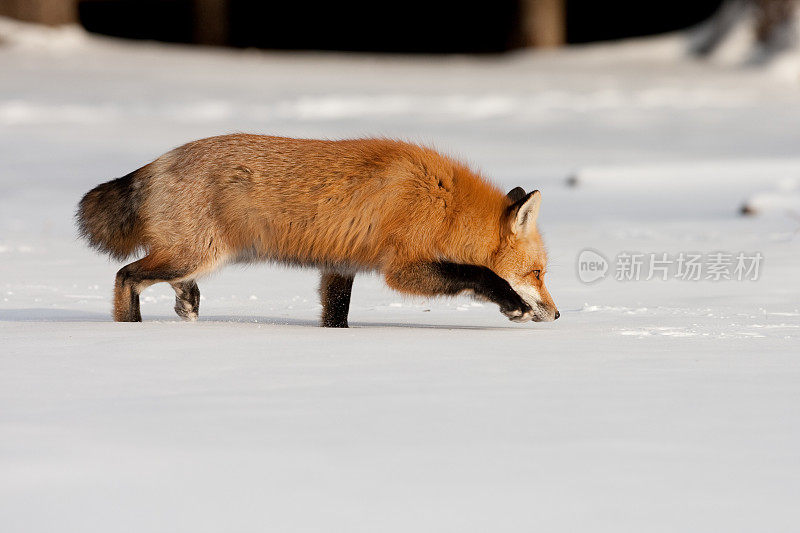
point(186, 311)
point(517, 312)
point(519, 315)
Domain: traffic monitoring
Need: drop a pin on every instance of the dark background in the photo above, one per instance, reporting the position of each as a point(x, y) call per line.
point(412, 26)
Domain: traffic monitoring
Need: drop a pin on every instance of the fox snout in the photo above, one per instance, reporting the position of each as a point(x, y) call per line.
point(535, 313)
point(539, 309)
point(545, 314)
point(540, 313)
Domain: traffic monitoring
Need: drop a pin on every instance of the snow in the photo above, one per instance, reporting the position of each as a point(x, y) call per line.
point(649, 406)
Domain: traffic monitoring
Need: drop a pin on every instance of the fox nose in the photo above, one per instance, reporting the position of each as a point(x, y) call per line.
point(557, 315)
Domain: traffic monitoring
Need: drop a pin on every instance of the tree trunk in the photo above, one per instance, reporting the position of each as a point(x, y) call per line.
point(211, 21)
point(542, 23)
point(771, 17)
point(50, 12)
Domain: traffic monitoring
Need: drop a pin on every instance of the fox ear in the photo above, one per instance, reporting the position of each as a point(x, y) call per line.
point(516, 194)
point(524, 212)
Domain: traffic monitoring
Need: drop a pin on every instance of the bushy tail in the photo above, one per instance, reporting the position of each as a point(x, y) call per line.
point(108, 217)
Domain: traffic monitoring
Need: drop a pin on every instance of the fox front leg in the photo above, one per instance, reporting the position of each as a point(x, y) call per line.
point(334, 291)
point(449, 279)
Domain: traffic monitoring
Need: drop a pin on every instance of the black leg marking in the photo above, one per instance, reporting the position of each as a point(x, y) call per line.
point(187, 299)
point(485, 284)
point(453, 278)
point(334, 291)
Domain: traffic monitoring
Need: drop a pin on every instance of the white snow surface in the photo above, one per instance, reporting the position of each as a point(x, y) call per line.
point(649, 406)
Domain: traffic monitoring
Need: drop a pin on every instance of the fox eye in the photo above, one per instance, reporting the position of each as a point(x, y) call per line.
point(537, 273)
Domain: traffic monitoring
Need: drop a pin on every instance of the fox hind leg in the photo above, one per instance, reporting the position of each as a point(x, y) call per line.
point(334, 291)
point(132, 279)
point(187, 299)
point(126, 298)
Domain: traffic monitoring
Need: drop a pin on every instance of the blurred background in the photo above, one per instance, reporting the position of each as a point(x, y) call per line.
point(413, 26)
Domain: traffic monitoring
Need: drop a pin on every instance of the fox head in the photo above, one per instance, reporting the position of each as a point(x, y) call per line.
point(521, 259)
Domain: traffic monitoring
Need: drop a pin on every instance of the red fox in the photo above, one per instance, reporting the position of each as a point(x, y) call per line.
point(429, 224)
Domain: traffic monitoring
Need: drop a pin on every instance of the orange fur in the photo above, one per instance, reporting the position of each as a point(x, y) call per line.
point(351, 205)
point(358, 204)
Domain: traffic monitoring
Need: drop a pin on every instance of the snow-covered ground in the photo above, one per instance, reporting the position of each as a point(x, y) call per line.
point(649, 406)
